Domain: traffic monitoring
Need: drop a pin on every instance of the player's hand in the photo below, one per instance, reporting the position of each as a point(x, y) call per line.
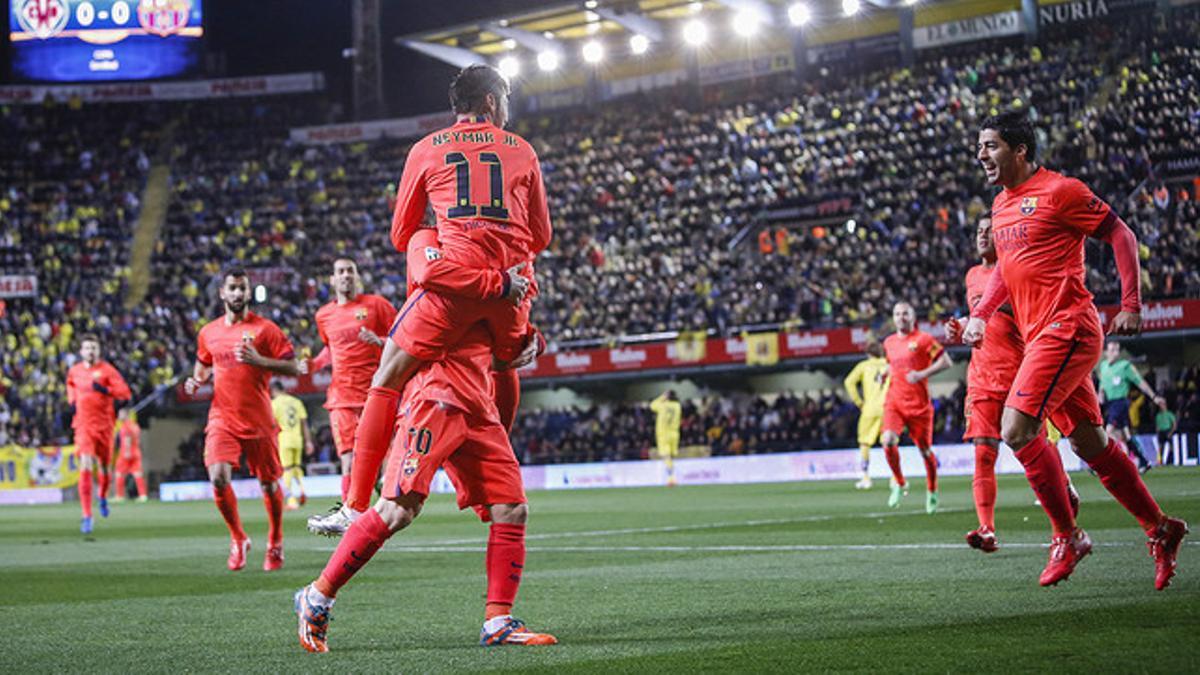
point(190, 385)
point(1125, 323)
point(247, 354)
point(913, 377)
point(1160, 402)
point(528, 354)
point(973, 333)
point(309, 450)
point(96, 386)
point(368, 336)
point(518, 285)
point(954, 330)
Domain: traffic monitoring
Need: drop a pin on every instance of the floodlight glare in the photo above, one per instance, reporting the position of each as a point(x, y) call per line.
point(509, 67)
point(695, 33)
point(638, 44)
point(593, 51)
point(746, 22)
point(851, 7)
point(548, 60)
point(799, 14)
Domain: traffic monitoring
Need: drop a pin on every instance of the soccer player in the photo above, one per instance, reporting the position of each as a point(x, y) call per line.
point(93, 386)
point(668, 415)
point(295, 441)
point(1116, 374)
point(913, 356)
point(871, 374)
point(129, 455)
point(450, 421)
point(1040, 221)
point(240, 351)
point(352, 326)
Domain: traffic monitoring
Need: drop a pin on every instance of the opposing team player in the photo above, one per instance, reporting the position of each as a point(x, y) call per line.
point(129, 455)
point(295, 441)
point(1116, 374)
point(93, 386)
point(352, 326)
point(1041, 220)
point(239, 351)
point(668, 416)
point(913, 356)
point(871, 376)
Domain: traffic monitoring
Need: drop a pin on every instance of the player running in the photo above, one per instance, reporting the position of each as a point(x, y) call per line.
point(352, 326)
point(448, 421)
point(871, 374)
point(129, 455)
point(240, 351)
point(1116, 374)
point(668, 416)
point(1040, 222)
point(913, 356)
point(93, 386)
point(295, 441)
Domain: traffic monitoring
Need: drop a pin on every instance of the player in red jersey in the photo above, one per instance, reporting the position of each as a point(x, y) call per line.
point(129, 455)
point(450, 421)
point(93, 385)
point(353, 327)
point(913, 355)
point(240, 351)
point(1041, 220)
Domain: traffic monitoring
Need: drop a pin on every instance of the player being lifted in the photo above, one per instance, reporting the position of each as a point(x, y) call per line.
point(668, 415)
point(93, 385)
point(239, 351)
point(129, 455)
point(871, 375)
point(912, 355)
point(1040, 222)
point(295, 441)
point(1116, 374)
point(485, 188)
point(353, 326)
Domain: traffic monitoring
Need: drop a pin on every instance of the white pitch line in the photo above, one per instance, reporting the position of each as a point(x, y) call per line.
point(765, 548)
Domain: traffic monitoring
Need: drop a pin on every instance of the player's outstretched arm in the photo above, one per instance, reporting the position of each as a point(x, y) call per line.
point(994, 295)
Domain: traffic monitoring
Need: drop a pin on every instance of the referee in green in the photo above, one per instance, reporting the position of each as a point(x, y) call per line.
point(1116, 376)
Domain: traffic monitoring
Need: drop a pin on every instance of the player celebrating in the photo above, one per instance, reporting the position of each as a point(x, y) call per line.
point(871, 374)
point(449, 421)
point(1116, 374)
point(351, 327)
point(668, 417)
point(129, 455)
point(1040, 221)
point(93, 385)
point(912, 355)
point(295, 441)
point(240, 351)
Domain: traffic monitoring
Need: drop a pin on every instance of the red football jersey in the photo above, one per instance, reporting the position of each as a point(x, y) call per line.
point(94, 409)
point(354, 361)
point(485, 187)
point(994, 363)
point(1039, 229)
point(907, 353)
point(463, 379)
point(129, 440)
point(241, 401)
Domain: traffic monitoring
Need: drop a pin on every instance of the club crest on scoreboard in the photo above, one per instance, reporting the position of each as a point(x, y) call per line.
point(163, 17)
point(43, 18)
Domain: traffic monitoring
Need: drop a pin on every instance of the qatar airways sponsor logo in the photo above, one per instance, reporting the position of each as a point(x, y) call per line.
point(572, 361)
point(623, 358)
point(1011, 238)
point(807, 342)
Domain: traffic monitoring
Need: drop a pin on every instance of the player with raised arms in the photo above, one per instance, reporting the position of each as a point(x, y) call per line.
point(93, 386)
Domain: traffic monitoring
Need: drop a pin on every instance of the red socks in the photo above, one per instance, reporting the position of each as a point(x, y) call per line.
point(371, 442)
point(508, 396)
point(1121, 478)
point(366, 536)
point(346, 484)
point(930, 470)
point(892, 452)
point(984, 485)
point(504, 561)
point(1044, 471)
point(274, 502)
point(119, 481)
point(102, 478)
point(227, 504)
point(141, 485)
point(85, 492)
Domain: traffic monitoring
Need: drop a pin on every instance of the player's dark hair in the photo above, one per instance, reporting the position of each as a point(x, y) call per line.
point(469, 89)
point(347, 258)
point(874, 348)
point(1015, 129)
point(277, 384)
point(89, 337)
point(236, 271)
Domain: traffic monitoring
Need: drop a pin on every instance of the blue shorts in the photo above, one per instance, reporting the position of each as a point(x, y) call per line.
point(1116, 413)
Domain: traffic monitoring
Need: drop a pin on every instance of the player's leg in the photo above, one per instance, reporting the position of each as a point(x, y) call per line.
point(86, 454)
point(893, 426)
point(1135, 446)
point(983, 489)
point(139, 480)
point(920, 428)
point(262, 461)
point(508, 396)
point(119, 476)
point(868, 434)
point(222, 452)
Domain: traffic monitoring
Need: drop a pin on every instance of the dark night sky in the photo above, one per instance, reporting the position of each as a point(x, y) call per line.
point(277, 36)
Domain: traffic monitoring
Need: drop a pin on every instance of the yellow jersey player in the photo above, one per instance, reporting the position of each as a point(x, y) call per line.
point(871, 374)
point(294, 441)
point(669, 415)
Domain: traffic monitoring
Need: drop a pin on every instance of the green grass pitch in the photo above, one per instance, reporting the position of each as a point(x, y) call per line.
point(778, 577)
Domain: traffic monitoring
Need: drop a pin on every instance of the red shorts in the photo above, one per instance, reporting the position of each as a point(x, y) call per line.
point(919, 425)
point(94, 443)
point(983, 410)
point(262, 454)
point(430, 324)
point(477, 456)
point(1055, 381)
point(131, 464)
point(343, 422)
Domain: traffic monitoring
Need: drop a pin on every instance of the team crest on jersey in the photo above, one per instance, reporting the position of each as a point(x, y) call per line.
point(164, 17)
point(912, 345)
point(360, 314)
point(43, 18)
point(1028, 206)
point(247, 336)
point(410, 465)
point(432, 254)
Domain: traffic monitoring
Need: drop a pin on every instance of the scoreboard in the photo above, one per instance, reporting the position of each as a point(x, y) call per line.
point(104, 40)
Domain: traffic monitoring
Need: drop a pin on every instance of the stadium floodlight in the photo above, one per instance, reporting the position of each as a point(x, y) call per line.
point(591, 4)
point(510, 67)
point(638, 44)
point(593, 51)
point(548, 60)
point(695, 7)
point(746, 22)
point(799, 14)
point(695, 33)
point(851, 7)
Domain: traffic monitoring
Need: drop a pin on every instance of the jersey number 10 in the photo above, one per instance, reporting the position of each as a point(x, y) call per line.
point(464, 208)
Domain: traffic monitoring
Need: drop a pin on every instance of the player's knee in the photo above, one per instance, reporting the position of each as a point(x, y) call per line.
point(890, 438)
point(1088, 441)
point(218, 481)
point(510, 514)
point(399, 513)
point(269, 487)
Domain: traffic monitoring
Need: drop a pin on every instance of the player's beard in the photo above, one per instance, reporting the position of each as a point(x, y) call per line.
point(235, 307)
